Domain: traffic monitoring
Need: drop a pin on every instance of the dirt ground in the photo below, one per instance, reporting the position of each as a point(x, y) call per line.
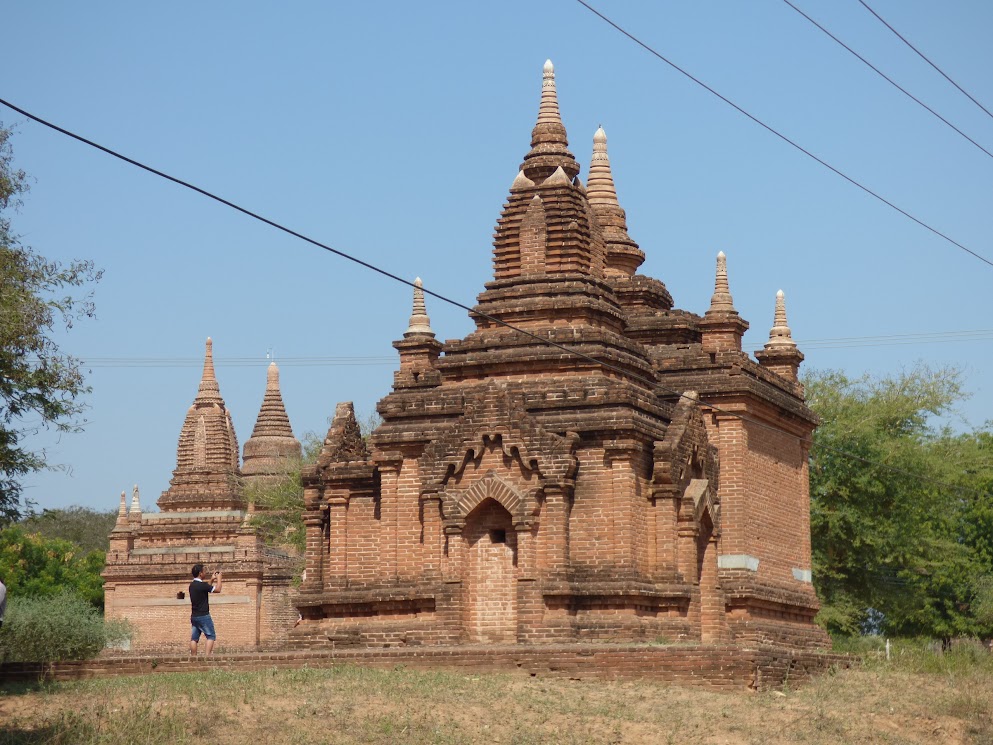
point(356, 705)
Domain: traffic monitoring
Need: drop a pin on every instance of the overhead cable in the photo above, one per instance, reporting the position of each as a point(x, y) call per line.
point(888, 79)
point(780, 135)
point(921, 55)
point(652, 384)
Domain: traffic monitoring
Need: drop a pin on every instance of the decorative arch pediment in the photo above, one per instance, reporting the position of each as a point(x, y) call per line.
point(494, 419)
point(457, 505)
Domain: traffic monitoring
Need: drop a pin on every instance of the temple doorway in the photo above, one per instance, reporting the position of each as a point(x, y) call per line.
point(490, 579)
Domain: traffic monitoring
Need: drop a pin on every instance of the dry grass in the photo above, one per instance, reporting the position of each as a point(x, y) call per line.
point(919, 697)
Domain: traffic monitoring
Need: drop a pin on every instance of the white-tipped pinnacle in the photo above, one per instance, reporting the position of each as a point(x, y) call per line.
point(122, 511)
point(600, 184)
point(136, 497)
point(548, 111)
point(721, 299)
point(780, 336)
point(272, 377)
point(419, 321)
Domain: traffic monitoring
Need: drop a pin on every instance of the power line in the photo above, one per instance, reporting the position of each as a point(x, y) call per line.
point(652, 384)
point(840, 342)
point(779, 134)
point(889, 80)
point(921, 55)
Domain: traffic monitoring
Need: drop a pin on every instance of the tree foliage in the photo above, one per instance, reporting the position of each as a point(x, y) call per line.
point(83, 526)
point(40, 386)
point(279, 501)
point(901, 533)
point(34, 566)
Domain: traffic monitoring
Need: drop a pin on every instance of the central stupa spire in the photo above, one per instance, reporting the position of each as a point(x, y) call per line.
point(549, 142)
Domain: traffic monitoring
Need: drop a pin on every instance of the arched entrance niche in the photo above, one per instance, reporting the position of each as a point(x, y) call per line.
point(490, 575)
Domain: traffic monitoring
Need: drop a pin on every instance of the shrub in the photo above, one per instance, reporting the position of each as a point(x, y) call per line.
point(55, 628)
point(32, 566)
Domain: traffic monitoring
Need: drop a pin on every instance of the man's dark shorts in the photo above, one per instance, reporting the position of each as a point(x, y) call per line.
point(202, 625)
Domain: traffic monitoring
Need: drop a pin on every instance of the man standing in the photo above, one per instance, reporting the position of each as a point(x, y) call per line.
point(200, 616)
point(3, 601)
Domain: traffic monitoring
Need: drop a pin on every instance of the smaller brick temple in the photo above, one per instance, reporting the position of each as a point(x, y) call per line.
point(204, 518)
point(609, 469)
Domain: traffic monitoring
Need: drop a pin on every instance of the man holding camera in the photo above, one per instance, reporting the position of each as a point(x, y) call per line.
point(200, 616)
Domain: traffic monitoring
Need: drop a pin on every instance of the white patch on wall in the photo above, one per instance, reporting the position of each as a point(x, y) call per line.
point(804, 575)
point(738, 561)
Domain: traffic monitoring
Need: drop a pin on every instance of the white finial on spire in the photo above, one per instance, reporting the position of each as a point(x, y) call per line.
point(419, 321)
point(135, 499)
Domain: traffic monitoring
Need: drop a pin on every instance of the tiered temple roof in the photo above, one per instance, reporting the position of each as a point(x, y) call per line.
point(206, 475)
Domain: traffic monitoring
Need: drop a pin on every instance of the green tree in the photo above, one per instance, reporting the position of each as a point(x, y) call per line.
point(892, 527)
point(279, 501)
point(83, 526)
point(33, 566)
point(40, 386)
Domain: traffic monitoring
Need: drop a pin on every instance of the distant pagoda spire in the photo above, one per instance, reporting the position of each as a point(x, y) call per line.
point(623, 255)
point(209, 391)
point(272, 446)
point(549, 142)
point(207, 471)
point(419, 321)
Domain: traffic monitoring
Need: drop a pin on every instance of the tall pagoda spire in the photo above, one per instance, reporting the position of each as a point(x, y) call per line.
point(623, 255)
point(549, 142)
point(209, 391)
point(272, 444)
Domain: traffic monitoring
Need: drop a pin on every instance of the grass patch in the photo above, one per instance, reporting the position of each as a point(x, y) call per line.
point(912, 699)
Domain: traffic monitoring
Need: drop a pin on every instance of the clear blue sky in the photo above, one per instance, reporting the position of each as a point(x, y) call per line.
point(393, 131)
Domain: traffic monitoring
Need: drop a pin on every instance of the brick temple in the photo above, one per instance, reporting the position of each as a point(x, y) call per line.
point(204, 518)
point(589, 464)
point(610, 468)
